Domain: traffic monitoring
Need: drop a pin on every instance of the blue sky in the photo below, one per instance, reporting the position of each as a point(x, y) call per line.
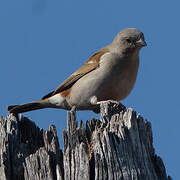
point(42, 42)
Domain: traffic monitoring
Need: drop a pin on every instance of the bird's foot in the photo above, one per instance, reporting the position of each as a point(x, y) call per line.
point(94, 101)
point(112, 101)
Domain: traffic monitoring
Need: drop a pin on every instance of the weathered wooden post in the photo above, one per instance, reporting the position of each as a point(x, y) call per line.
point(118, 146)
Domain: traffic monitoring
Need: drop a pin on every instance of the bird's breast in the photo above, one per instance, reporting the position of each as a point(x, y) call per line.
point(111, 81)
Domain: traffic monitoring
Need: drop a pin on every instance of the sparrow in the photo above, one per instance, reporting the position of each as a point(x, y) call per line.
point(109, 74)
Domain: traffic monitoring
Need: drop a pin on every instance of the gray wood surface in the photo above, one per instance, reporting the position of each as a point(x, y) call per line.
point(118, 146)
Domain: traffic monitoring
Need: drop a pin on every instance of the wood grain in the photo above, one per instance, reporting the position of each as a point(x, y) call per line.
point(118, 146)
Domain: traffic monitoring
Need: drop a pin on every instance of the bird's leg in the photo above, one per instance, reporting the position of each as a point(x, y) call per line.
point(93, 100)
point(20, 116)
point(73, 109)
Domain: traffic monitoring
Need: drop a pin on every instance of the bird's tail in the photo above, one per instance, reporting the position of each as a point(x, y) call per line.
point(28, 107)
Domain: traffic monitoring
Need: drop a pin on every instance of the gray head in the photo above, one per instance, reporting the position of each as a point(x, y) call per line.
point(129, 39)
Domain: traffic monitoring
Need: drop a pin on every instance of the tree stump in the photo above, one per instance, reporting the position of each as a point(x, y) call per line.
point(118, 146)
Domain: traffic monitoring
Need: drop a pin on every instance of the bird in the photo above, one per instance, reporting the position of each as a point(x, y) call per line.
point(108, 75)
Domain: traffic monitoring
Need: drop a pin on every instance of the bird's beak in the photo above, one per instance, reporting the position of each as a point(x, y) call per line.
point(141, 42)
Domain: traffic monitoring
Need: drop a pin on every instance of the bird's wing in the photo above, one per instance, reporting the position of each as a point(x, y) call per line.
point(91, 64)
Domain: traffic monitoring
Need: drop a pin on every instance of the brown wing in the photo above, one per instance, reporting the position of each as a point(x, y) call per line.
point(91, 64)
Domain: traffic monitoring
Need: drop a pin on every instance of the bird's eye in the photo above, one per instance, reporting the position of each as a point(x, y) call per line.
point(128, 40)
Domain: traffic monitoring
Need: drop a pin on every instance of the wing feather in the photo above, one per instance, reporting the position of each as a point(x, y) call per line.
point(91, 64)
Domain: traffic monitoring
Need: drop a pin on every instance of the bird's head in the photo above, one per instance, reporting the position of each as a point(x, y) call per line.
point(129, 39)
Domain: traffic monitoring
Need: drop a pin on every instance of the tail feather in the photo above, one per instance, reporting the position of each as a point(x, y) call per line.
point(11, 107)
point(27, 107)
